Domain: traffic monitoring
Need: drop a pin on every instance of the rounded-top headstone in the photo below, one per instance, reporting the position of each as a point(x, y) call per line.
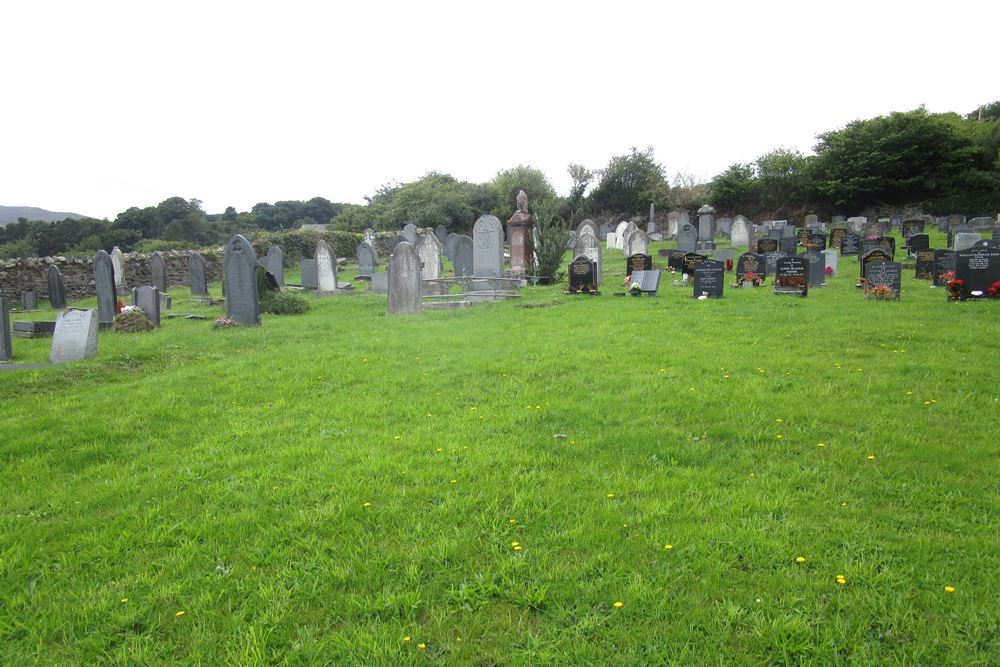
point(488, 242)
point(104, 280)
point(240, 266)
point(404, 280)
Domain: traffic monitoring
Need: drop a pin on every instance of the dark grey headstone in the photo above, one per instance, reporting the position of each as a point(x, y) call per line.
point(850, 244)
point(307, 273)
point(104, 280)
point(441, 232)
point(274, 262)
point(366, 260)
point(196, 275)
point(582, 275)
point(75, 337)
point(687, 238)
point(462, 251)
point(29, 301)
point(817, 268)
point(791, 276)
point(709, 278)
point(944, 263)
point(240, 266)
point(449, 246)
point(379, 283)
point(978, 268)
point(5, 332)
point(649, 281)
point(148, 299)
point(57, 289)
point(603, 230)
point(924, 266)
point(917, 242)
point(752, 264)
point(788, 244)
point(158, 272)
point(404, 281)
point(874, 256)
point(771, 262)
point(889, 274)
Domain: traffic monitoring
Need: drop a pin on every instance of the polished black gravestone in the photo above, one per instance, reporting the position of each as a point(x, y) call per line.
point(978, 268)
point(771, 261)
point(850, 244)
point(925, 264)
point(944, 267)
point(912, 228)
point(638, 262)
point(882, 275)
point(675, 260)
point(240, 267)
point(918, 242)
point(582, 275)
point(791, 276)
point(802, 235)
point(750, 266)
point(873, 256)
point(709, 278)
point(691, 260)
point(816, 241)
point(789, 246)
point(57, 289)
point(888, 243)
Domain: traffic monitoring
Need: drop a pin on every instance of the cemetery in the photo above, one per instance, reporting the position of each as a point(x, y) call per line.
point(451, 453)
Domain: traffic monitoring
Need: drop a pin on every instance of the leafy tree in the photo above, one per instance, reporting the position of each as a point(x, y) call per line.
point(735, 190)
point(507, 183)
point(783, 181)
point(629, 184)
point(581, 178)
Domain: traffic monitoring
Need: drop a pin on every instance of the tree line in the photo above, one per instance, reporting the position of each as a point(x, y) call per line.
point(939, 163)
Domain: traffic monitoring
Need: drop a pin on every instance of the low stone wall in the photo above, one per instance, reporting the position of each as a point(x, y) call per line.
point(30, 274)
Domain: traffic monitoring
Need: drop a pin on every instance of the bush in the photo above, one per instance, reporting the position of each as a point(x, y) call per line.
point(553, 236)
point(283, 303)
point(299, 245)
point(132, 320)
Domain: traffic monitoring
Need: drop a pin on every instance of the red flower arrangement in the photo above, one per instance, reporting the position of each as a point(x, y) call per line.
point(994, 290)
point(955, 286)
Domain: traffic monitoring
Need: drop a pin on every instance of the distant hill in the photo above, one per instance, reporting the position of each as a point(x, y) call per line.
point(10, 214)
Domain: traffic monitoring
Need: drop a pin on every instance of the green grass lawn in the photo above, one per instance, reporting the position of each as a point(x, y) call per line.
point(555, 480)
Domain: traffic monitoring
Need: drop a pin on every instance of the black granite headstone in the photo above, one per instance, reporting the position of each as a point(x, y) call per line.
point(944, 266)
point(765, 246)
point(638, 262)
point(691, 260)
point(816, 241)
point(771, 261)
point(788, 245)
point(791, 276)
point(925, 264)
point(850, 244)
point(912, 227)
point(873, 256)
point(917, 242)
point(750, 266)
point(582, 275)
point(817, 268)
point(104, 280)
point(709, 278)
point(885, 274)
point(675, 260)
point(978, 268)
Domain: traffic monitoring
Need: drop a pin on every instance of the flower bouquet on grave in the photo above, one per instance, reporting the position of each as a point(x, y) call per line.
point(635, 289)
point(881, 292)
point(225, 323)
point(955, 286)
point(132, 319)
point(993, 291)
point(828, 271)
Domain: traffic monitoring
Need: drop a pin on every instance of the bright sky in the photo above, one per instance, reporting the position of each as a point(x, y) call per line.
point(107, 105)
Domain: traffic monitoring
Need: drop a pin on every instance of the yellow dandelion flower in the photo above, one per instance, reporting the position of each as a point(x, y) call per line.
point(180, 613)
point(124, 600)
point(780, 437)
point(619, 604)
point(909, 393)
point(949, 589)
point(800, 559)
point(624, 525)
point(366, 504)
point(454, 481)
point(512, 521)
point(870, 457)
point(421, 646)
point(779, 420)
point(518, 547)
point(538, 407)
point(515, 544)
point(439, 449)
point(611, 495)
point(821, 444)
point(396, 437)
point(407, 638)
point(726, 376)
point(668, 547)
point(458, 639)
point(481, 417)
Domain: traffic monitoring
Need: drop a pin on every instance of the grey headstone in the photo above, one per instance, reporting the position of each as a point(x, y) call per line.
point(429, 251)
point(649, 281)
point(687, 238)
point(441, 232)
point(603, 231)
point(379, 283)
point(118, 262)
point(158, 272)
point(463, 256)
point(196, 275)
point(831, 260)
point(326, 268)
point(651, 225)
point(817, 268)
point(148, 299)
point(240, 267)
point(638, 244)
point(104, 280)
point(965, 240)
point(724, 255)
point(812, 219)
point(404, 280)
point(29, 301)
point(588, 224)
point(706, 223)
point(487, 247)
point(5, 334)
point(588, 246)
point(75, 337)
point(449, 246)
point(275, 264)
point(307, 273)
point(724, 226)
point(57, 289)
point(673, 219)
point(788, 232)
point(838, 218)
point(366, 260)
point(739, 233)
point(410, 233)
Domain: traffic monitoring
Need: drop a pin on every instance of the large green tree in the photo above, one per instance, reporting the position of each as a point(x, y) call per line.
point(507, 183)
point(629, 184)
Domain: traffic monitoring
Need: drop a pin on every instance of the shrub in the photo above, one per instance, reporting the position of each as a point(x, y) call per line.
point(282, 303)
point(132, 320)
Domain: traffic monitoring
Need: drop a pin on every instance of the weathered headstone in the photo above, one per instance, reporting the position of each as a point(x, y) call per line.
point(404, 280)
point(965, 240)
point(791, 276)
point(441, 232)
point(57, 289)
point(638, 243)
point(588, 246)
point(651, 225)
point(850, 244)
point(724, 226)
point(709, 278)
point(739, 233)
point(788, 244)
point(911, 227)
point(104, 280)
point(944, 267)
point(588, 224)
point(158, 272)
point(817, 268)
point(449, 246)
point(463, 259)
point(196, 275)
point(75, 337)
point(326, 268)
point(410, 233)
point(978, 268)
point(924, 264)
point(706, 223)
point(620, 232)
point(148, 300)
point(831, 260)
point(957, 229)
point(487, 247)
point(307, 274)
point(118, 262)
point(239, 265)
point(883, 275)
point(366, 260)
point(750, 267)
point(6, 352)
point(582, 275)
point(995, 231)
point(274, 262)
point(29, 301)
point(429, 251)
point(672, 224)
point(687, 238)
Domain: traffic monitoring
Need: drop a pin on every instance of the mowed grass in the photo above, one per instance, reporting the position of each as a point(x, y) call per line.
point(345, 487)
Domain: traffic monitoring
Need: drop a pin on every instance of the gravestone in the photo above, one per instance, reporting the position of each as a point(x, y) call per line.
point(379, 283)
point(649, 281)
point(158, 272)
point(788, 244)
point(588, 246)
point(978, 268)
point(750, 266)
point(687, 238)
point(582, 275)
point(57, 289)
point(75, 337)
point(463, 261)
point(410, 233)
point(672, 224)
point(817, 268)
point(404, 280)
point(964, 240)
point(957, 229)
point(850, 244)
point(368, 236)
point(429, 251)
point(942, 223)
point(104, 280)
point(449, 246)
point(995, 231)
point(838, 218)
point(873, 256)
point(239, 265)
point(148, 299)
point(307, 274)
point(765, 246)
point(739, 233)
point(396, 240)
point(6, 352)
point(831, 261)
point(789, 232)
point(918, 242)
point(274, 262)
point(925, 264)
point(771, 261)
point(638, 243)
point(366, 260)
point(603, 231)
point(724, 226)
point(723, 255)
point(326, 268)
point(885, 274)
point(816, 241)
point(441, 232)
point(944, 266)
point(706, 223)
point(196, 275)
point(692, 260)
point(651, 225)
point(487, 247)
point(912, 227)
point(638, 262)
point(811, 219)
point(29, 301)
point(836, 237)
point(675, 260)
point(791, 276)
point(118, 263)
point(709, 278)
point(802, 235)
point(620, 232)
point(588, 224)
point(981, 223)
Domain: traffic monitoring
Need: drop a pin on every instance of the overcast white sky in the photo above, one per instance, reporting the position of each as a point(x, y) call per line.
point(107, 105)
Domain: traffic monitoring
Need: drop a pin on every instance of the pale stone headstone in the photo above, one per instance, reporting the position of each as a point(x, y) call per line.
point(724, 226)
point(687, 238)
point(404, 280)
point(75, 336)
point(611, 240)
point(368, 236)
point(118, 262)
point(487, 246)
point(651, 225)
point(326, 268)
point(366, 260)
point(673, 219)
point(104, 280)
point(5, 348)
point(274, 262)
point(158, 272)
point(831, 261)
point(57, 289)
point(620, 233)
point(410, 233)
point(239, 263)
point(462, 256)
point(429, 251)
point(638, 244)
point(706, 223)
point(739, 233)
point(965, 240)
point(588, 246)
point(196, 275)
point(148, 299)
point(588, 224)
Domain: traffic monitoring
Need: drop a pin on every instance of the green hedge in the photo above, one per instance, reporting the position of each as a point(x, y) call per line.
point(299, 245)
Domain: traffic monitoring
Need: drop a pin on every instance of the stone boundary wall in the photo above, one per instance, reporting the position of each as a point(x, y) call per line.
point(31, 273)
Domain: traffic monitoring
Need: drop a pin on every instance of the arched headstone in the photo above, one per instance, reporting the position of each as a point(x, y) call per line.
point(196, 275)
point(366, 260)
point(158, 272)
point(462, 256)
point(57, 289)
point(118, 262)
point(275, 264)
point(429, 251)
point(404, 281)
point(326, 268)
point(104, 279)
point(240, 266)
point(487, 243)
